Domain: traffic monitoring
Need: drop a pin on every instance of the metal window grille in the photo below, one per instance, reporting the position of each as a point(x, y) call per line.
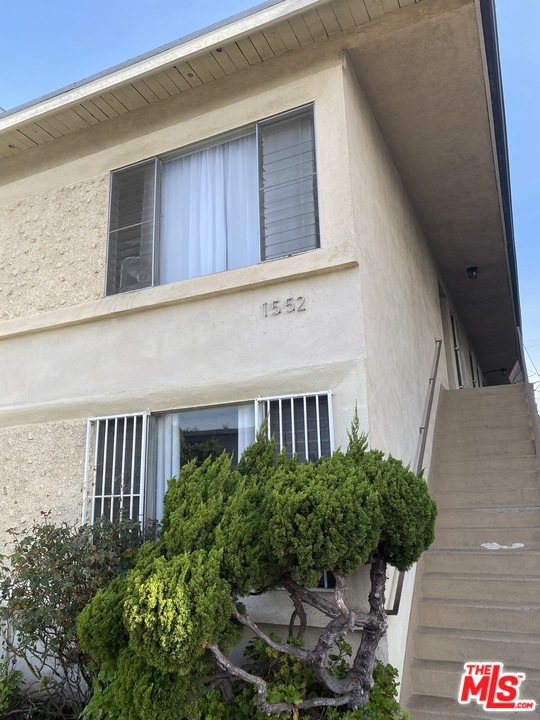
point(302, 424)
point(115, 475)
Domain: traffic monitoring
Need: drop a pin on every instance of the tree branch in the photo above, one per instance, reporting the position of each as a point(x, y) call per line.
point(335, 630)
point(298, 653)
point(299, 613)
point(264, 706)
point(314, 600)
point(309, 597)
point(364, 661)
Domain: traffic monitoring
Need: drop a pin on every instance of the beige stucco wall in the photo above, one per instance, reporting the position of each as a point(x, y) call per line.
point(88, 355)
point(52, 249)
point(371, 300)
point(41, 471)
point(399, 285)
point(402, 318)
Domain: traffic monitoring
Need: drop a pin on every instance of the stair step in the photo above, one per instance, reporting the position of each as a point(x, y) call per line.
point(483, 397)
point(506, 389)
point(425, 707)
point(461, 645)
point(504, 448)
point(448, 424)
point(489, 588)
point(492, 517)
point(471, 468)
point(448, 479)
point(489, 498)
point(478, 537)
point(483, 408)
point(478, 589)
point(514, 617)
point(438, 678)
point(459, 436)
point(442, 678)
point(504, 562)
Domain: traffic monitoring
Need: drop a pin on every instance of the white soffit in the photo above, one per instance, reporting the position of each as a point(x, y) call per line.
point(266, 32)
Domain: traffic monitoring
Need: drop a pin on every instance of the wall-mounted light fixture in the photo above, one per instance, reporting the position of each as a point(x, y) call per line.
point(472, 272)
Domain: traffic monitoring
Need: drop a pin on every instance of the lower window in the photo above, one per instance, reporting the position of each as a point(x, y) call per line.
point(130, 458)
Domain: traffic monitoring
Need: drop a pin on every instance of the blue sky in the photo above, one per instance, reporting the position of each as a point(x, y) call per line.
point(45, 46)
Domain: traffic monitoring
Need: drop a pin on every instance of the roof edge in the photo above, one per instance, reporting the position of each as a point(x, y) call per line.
point(234, 27)
point(491, 43)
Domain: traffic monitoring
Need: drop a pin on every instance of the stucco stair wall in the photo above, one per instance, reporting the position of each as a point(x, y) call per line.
point(472, 602)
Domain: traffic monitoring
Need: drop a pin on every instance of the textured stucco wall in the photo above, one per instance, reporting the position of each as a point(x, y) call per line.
point(52, 248)
point(41, 470)
point(399, 287)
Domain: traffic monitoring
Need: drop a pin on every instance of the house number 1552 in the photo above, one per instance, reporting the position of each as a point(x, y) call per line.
point(279, 307)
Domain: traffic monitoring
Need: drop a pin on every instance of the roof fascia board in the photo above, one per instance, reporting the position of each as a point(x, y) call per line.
point(179, 51)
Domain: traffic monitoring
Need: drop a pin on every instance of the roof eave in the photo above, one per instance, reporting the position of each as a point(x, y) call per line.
point(235, 27)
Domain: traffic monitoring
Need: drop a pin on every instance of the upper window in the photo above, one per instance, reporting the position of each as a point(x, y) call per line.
point(250, 198)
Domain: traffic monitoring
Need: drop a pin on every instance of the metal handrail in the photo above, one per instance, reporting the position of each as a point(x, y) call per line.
point(530, 397)
point(425, 427)
point(419, 465)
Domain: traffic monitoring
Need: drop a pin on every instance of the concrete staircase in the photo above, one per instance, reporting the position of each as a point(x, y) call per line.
point(473, 603)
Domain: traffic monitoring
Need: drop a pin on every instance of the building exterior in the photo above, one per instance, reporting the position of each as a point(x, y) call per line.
point(279, 215)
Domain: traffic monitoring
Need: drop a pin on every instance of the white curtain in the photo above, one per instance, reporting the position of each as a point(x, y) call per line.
point(246, 427)
point(209, 211)
point(168, 442)
point(168, 456)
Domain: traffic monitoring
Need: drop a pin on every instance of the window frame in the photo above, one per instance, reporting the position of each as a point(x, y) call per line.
point(111, 288)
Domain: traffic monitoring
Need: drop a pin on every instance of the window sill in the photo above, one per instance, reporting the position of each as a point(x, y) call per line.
point(315, 262)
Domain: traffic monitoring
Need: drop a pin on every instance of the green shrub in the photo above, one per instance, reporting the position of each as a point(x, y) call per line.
point(51, 574)
point(271, 522)
point(11, 682)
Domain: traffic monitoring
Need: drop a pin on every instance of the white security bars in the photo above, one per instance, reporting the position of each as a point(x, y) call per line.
point(130, 458)
point(116, 467)
point(302, 424)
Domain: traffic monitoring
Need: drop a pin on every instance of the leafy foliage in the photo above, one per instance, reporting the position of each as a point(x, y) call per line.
point(288, 679)
point(11, 682)
point(50, 576)
point(270, 522)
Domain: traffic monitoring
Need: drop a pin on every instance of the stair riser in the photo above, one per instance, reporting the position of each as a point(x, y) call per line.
point(449, 426)
point(475, 538)
point(503, 449)
point(467, 712)
point(432, 681)
point(466, 617)
point(488, 518)
point(505, 497)
point(462, 649)
point(474, 467)
point(506, 390)
point(456, 401)
point(516, 590)
point(460, 436)
point(496, 414)
point(489, 562)
point(481, 480)
point(446, 684)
